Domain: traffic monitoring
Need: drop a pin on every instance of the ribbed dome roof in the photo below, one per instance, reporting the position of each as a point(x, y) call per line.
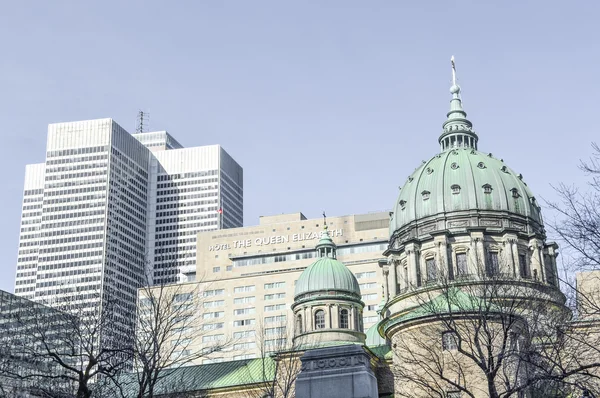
point(462, 179)
point(327, 274)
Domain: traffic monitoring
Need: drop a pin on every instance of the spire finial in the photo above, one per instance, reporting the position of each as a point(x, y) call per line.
point(453, 71)
point(324, 219)
point(455, 89)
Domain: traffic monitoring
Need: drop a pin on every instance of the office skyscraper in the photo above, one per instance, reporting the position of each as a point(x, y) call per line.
point(109, 209)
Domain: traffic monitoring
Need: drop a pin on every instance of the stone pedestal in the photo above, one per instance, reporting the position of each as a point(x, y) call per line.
point(336, 372)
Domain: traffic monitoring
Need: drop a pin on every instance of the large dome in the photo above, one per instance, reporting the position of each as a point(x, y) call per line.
point(459, 180)
point(462, 188)
point(327, 275)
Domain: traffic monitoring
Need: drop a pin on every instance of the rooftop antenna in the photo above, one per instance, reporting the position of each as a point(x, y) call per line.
point(142, 122)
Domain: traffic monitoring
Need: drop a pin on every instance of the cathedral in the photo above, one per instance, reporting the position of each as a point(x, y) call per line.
point(470, 303)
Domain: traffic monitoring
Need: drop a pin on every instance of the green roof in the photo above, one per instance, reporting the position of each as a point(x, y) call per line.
point(462, 179)
point(454, 301)
point(374, 339)
point(210, 376)
point(327, 274)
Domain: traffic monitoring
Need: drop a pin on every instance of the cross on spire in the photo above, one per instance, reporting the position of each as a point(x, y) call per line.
point(453, 71)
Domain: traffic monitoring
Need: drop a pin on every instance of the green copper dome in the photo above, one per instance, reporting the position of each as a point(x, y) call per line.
point(327, 274)
point(463, 179)
point(462, 187)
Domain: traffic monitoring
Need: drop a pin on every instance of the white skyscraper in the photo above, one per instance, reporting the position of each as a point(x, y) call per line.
point(106, 206)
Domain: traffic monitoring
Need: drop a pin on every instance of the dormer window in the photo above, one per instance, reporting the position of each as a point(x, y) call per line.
point(515, 193)
point(481, 165)
point(425, 195)
point(402, 204)
point(455, 189)
point(487, 188)
point(429, 170)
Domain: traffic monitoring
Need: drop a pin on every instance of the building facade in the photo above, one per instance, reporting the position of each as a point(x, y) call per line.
point(103, 207)
point(245, 277)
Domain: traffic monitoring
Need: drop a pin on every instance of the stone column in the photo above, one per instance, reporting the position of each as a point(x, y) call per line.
point(412, 267)
point(478, 260)
point(393, 277)
point(515, 252)
point(386, 280)
point(335, 316)
point(509, 257)
point(543, 264)
point(440, 260)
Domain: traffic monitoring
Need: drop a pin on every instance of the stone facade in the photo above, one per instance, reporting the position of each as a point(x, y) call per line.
point(336, 372)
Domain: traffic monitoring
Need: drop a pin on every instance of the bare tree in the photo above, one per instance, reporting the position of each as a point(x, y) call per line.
point(492, 336)
point(65, 350)
point(280, 363)
point(169, 334)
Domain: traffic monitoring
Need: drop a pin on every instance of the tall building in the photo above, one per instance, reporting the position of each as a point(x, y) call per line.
point(106, 205)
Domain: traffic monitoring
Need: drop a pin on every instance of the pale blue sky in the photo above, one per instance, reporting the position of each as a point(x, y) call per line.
point(325, 104)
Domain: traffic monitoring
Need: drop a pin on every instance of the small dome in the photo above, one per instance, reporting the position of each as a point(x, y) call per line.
point(374, 339)
point(460, 180)
point(327, 274)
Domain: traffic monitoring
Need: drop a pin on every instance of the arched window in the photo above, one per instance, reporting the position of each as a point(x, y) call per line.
point(320, 319)
point(344, 319)
point(299, 324)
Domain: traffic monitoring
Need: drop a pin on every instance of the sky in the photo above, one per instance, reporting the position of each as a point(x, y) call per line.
point(327, 105)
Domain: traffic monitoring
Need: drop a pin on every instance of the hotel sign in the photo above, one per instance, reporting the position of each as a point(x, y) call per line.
point(273, 240)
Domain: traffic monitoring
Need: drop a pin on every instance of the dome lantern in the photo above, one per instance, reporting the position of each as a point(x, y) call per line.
point(457, 129)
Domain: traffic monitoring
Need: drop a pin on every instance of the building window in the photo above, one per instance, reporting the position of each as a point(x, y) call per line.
point(361, 275)
point(493, 266)
point(487, 188)
point(320, 319)
point(244, 300)
point(299, 324)
point(449, 341)
point(431, 269)
point(515, 193)
point(275, 285)
point(244, 311)
point(523, 266)
point(344, 319)
point(216, 269)
point(244, 322)
point(243, 289)
point(425, 195)
point(455, 189)
point(453, 394)
point(371, 296)
point(461, 264)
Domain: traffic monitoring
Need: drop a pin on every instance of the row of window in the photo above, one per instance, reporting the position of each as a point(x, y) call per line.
point(343, 251)
point(170, 177)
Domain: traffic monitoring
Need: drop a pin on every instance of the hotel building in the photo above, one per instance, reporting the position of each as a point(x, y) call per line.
point(245, 277)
